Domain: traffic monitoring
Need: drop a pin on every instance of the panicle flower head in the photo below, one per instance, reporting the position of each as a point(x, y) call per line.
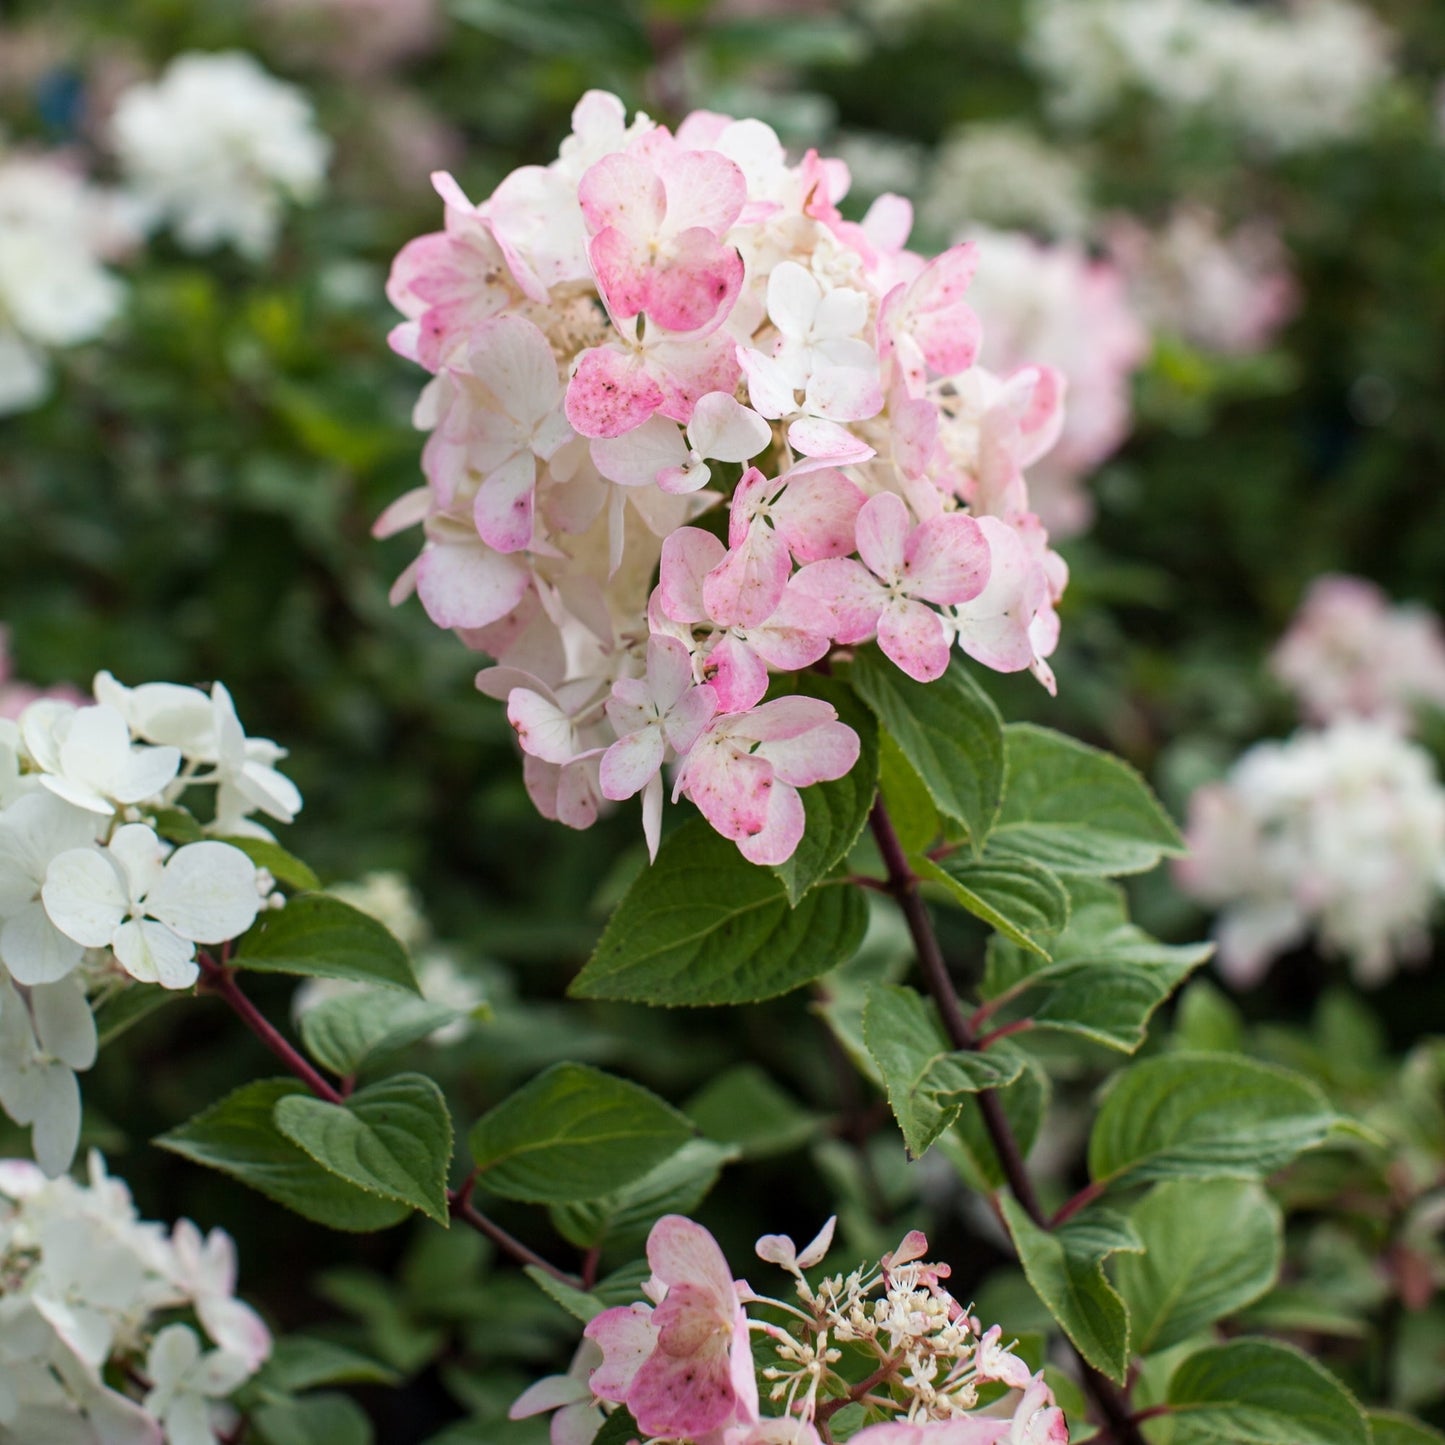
point(106, 878)
point(94, 1342)
point(215, 147)
point(655, 325)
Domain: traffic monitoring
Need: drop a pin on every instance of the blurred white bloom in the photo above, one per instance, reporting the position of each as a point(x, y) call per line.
point(214, 148)
point(151, 909)
point(55, 230)
point(1340, 832)
point(1001, 174)
point(91, 1291)
point(1349, 653)
point(1288, 77)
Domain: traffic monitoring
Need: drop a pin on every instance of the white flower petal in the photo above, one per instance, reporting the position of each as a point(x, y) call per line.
point(64, 1023)
point(151, 953)
point(85, 896)
point(207, 893)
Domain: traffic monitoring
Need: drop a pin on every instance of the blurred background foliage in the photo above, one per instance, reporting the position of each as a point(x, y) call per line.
point(195, 499)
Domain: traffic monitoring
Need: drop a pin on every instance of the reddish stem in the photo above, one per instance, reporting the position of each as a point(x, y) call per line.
point(1085, 1197)
point(1019, 1026)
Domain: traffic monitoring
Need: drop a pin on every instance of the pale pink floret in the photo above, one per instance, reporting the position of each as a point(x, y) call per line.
point(994, 627)
point(464, 583)
point(657, 214)
point(683, 1367)
point(721, 429)
point(905, 567)
point(745, 771)
point(927, 325)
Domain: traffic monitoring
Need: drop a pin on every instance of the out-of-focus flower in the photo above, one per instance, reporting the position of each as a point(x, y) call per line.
point(1349, 653)
point(215, 147)
point(352, 37)
point(1340, 833)
point(1226, 293)
point(1288, 77)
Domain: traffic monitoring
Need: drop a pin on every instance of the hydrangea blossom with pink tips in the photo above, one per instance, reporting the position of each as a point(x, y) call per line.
point(692, 1365)
point(659, 325)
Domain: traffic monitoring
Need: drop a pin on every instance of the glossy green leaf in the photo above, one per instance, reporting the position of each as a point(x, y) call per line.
point(239, 1137)
point(1076, 809)
point(949, 731)
point(704, 926)
point(392, 1138)
point(1210, 1247)
point(574, 1134)
point(921, 1072)
point(1205, 1116)
point(323, 937)
point(1024, 901)
point(1260, 1392)
point(1065, 1266)
point(836, 811)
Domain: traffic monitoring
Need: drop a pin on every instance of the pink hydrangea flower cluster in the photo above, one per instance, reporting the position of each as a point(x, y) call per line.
point(1350, 653)
point(660, 324)
point(887, 1337)
point(1058, 305)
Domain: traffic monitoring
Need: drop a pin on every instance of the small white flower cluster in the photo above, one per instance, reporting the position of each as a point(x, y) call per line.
point(1340, 832)
point(1288, 78)
point(999, 173)
point(56, 233)
point(93, 1343)
point(1349, 653)
point(393, 902)
point(214, 148)
point(93, 894)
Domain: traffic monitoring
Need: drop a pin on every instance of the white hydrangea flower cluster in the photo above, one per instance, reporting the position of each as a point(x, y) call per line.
point(1339, 832)
point(94, 892)
point(93, 1301)
point(1289, 78)
point(215, 147)
point(387, 897)
point(1349, 653)
point(56, 233)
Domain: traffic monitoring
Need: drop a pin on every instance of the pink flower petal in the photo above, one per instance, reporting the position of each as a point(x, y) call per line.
point(883, 531)
point(611, 392)
point(946, 559)
point(914, 636)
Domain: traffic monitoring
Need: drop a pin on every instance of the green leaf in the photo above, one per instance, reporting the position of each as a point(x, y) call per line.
point(176, 825)
point(239, 1137)
point(618, 1429)
point(126, 1007)
point(284, 867)
point(1205, 1116)
point(1106, 979)
point(302, 1362)
point(341, 1034)
point(1021, 900)
point(1024, 1103)
point(1078, 810)
point(1259, 1392)
point(314, 1420)
point(1211, 1247)
point(622, 1220)
point(836, 811)
point(578, 1303)
point(704, 926)
point(392, 1138)
point(323, 937)
point(743, 1106)
point(950, 733)
point(573, 1134)
point(596, 33)
point(1387, 1427)
point(922, 1073)
point(910, 807)
point(1065, 1266)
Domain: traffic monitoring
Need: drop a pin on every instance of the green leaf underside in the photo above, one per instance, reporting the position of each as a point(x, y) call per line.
point(313, 1420)
point(836, 811)
point(322, 937)
point(1065, 1267)
point(1211, 1247)
point(622, 1220)
point(1106, 978)
point(1260, 1392)
point(239, 1137)
point(704, 926)
point(1205, 1116)
point(1078, 810)
point(1020, 899)
point(949, 731)
point(341, 1034)
point(922, 1074)
point(574, 1134)
point(392, 1138)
